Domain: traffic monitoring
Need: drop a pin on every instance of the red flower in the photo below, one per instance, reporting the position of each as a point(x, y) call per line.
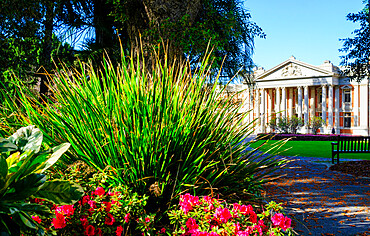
point(59, 222)
point(85, 199)
point(223, 214)
point(90, 230)
point(192, 225)
point(37, 219)
point(108, 206)
point(84, 221)
point(147, 219)
point(109, 220)
point(119, 231)
point(127, 217)
point(99, 232)
point(99, 191)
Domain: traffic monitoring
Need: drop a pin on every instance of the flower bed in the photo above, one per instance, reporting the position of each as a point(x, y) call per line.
point(104, 213)
point(300, 137)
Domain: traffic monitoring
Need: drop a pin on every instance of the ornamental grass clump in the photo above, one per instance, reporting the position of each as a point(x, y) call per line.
point(163, 129)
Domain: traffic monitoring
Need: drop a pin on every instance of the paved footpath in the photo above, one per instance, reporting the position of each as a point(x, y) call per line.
point(320, 201)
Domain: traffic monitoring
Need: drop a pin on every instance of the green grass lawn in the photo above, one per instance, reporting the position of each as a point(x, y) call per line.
point(306, 149)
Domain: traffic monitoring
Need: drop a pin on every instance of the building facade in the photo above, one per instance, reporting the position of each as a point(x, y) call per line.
point(295, 88)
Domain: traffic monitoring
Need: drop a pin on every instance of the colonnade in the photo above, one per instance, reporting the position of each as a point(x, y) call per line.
point(284, 107)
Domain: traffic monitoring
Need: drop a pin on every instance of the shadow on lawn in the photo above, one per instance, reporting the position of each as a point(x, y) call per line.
point(322, 202)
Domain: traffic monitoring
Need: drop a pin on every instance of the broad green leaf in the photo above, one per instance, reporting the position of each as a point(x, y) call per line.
point(57, 153)
point(13, 159)
point(25, 187)
point(60, 192)
point(3, 168)
point(7, 146)
point(27, 138)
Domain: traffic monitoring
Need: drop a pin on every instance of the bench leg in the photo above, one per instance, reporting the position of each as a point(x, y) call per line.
point(332, 157)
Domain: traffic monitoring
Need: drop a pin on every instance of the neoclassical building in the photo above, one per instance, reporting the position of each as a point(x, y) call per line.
point(295, 88)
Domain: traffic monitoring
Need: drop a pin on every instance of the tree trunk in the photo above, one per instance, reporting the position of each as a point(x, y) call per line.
point(103, 24)
point(148, 15)
point(47, 48)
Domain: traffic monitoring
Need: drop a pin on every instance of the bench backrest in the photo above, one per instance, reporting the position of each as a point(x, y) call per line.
point(354, 144)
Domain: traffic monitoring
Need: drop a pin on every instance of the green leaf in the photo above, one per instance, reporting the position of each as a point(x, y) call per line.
point(7, 146)
point(25, 187)
point(58, 151)
point(13, 159)
point(27, 138)
point(60, 192)
point(3, 168)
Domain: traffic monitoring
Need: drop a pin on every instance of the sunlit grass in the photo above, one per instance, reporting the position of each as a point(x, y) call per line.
point(308, 149)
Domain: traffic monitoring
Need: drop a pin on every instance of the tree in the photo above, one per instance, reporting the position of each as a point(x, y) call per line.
point(189, 26)
point(358, 48)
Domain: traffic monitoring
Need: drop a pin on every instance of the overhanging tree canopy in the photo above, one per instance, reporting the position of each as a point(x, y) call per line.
point(357, 49)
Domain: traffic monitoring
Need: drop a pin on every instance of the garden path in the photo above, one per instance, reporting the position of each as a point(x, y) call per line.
point(321, 201)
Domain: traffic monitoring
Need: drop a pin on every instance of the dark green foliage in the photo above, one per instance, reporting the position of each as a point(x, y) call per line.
point(357, 49)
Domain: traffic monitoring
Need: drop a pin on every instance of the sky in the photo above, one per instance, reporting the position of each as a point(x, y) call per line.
point(309, 30)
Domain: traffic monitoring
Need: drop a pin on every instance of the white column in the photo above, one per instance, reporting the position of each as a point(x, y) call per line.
point(364, 105)
point(277, 108)
point(283, 101)
point(355, 105)
point(257, 106)
point(323, 109)
point(300, 101)
point(291, 102)
point(330, 107)
point(306, 105)
point(263, 115)
point(337, 129)
point(270, 102)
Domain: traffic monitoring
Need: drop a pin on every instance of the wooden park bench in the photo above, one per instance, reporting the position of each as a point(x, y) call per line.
point(349, 144)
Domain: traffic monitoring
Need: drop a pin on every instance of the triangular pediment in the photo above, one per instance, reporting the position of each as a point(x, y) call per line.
point(291, 69)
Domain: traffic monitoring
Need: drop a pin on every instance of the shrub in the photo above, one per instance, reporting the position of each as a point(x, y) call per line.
point(283, 124)
point(22, 175)
point(316, 123)
point(273, 124)
point(294, 124)
point(164, 131)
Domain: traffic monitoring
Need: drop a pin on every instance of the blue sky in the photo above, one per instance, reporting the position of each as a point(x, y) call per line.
point(308, 29)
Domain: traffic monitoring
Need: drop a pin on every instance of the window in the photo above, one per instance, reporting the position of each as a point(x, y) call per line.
point(347, 120)
point(347, 96)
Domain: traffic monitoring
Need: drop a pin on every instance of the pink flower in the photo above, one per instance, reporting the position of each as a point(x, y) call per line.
point(127, 217)
point(92, 204)
point(163, 230)
point(90, 230)
point(279, 220)
point(287, 223)
point(66, 210)
point(192, 225)
point(119, 230)
point(223, 214)
point(110, 219)
point(59, 222)
point(37, 219)
point(99, 191)
point(187, 202)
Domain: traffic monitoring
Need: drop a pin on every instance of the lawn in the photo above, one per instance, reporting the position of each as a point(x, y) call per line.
point(305, 148)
